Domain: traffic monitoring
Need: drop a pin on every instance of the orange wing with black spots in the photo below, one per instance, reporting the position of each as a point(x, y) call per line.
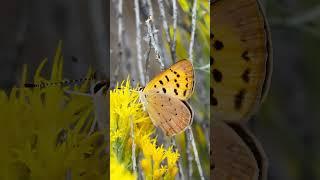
point(240, 58)
point(176, 81)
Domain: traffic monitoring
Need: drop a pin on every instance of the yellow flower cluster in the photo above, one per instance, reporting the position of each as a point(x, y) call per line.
point(44, 132)
point(118, 171)
point(125, 109)
point(154, 156)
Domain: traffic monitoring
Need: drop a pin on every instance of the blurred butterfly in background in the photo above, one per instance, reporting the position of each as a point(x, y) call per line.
point(240, 57)
point(241, 66)
point(237, 153)
point(164, 98)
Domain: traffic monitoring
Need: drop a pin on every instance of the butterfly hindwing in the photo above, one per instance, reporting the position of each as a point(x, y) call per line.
point(231, 156)
point(239, 58)
point(171, 114)
point(177, 81)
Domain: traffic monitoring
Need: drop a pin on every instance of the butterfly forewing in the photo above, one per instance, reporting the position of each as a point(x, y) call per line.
point(169, 113)
point(239, 54)
point(177, 81)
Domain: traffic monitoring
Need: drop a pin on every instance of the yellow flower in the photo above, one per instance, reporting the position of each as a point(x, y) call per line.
point(48, 131)
point(158, 173)
point(146, 165)
point(146, 145)
point(157, 156)
point(126, 109)
point(172, 157)
point(118, 171)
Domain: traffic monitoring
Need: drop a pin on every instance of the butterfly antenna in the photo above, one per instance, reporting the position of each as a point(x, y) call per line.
point(64, 82)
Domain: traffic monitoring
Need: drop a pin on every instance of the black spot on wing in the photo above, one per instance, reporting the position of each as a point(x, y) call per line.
point(239, 98)
point(217, 75)
point(211, 36)
point(176, 91)
point(211, 60)
point(167, 78)
point(213, 101)
point(164, 90)
point(245, 75)
point(245, 55)
point(218, 45)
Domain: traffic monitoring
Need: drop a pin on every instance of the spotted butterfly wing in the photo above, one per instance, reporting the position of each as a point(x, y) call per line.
point(177, 81)
point(172, 115)
point(240, 58)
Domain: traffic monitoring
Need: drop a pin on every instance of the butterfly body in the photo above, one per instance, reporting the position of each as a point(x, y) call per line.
point(164, 98)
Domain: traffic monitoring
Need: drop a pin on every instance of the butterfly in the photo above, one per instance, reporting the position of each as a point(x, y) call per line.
point(164, 98)
point(236, 153)
point(240, 59)
point(241, 66)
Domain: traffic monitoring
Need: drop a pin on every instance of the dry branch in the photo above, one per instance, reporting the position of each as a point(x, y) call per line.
point(138, 42)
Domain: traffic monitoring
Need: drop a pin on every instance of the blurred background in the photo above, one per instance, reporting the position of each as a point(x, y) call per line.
point(45, 136)
point(288, 122)
point(30, 31)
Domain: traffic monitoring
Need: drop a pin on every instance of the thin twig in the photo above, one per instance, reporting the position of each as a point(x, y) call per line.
point(138, 42)
point(193, 29)
point(133, 155)
point(146, 58)
point(174, 38)
point(165, 25)
point(195, 151)
point(155, 32)
point(154, 44)
point(181, 174)
point(189, 157)
point(120, 37)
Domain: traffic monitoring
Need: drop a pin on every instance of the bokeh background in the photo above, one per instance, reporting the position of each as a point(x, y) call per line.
point(44, 130)
point(30, 31)
point(287, 124)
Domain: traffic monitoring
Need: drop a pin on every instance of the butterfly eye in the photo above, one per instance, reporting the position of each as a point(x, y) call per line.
point(140, 89)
